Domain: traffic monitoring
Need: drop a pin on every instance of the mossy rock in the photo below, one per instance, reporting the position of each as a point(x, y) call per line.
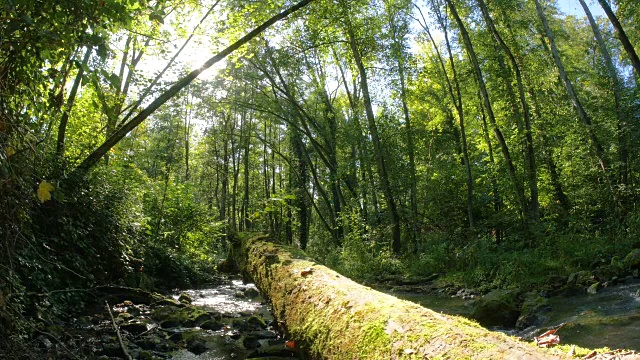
point(632, 260)
point(125, 316)
point(134, 327)
point(168, 302)
point(532, 309)
point(185, 298)
point(212, 325)
point(607, 272)
point(497, 308)
point(187, 316)
point(251, 293)
point(198, 341)
point(581, 278)
point(257, 322)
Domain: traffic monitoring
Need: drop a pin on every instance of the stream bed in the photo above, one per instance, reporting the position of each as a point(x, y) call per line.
point(230, 320)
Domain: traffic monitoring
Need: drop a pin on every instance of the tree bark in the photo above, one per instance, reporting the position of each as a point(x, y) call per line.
point(530, 160)
point(628, 47)
point(62, 127)
point(519, 190)
point(398, 53)
point(396, 242)
point(457, 103)
point(623, 151)
point(577, 105)
point(329, 316)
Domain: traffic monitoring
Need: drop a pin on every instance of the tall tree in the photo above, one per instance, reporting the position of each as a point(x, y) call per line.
point(624, 39)
point(517, 184)
point(396, 242)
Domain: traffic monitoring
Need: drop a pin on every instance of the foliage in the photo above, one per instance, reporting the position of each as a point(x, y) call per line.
point(380, 140)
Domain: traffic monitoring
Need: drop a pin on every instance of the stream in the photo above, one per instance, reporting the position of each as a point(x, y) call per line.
point(231, 321)
point(609, 318)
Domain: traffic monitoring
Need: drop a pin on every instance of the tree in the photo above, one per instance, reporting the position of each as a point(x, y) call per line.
point(123, 130)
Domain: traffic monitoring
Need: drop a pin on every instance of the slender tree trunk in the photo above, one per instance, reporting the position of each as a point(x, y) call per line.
point(489, 109)
point(245, 200)
point(530, 162)
point(187, 138)
point(497, 201)
point(225, 174)
point(122, 131)
point(396, 242)
point(62, 127)
point(623, 151)
point(413, 187)
point(558, 193)
point(457, 101)
point(628, 47)
point(577, 105)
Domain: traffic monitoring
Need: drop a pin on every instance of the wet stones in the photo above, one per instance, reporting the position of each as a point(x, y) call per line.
point(185, 298)
point(134, 327)
point(532, 310)
point(497, 308)
point(632, 260)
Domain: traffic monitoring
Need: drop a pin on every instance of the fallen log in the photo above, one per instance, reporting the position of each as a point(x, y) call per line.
point(329, 316)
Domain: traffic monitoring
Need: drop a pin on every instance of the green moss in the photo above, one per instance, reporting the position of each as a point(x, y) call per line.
point(374, 338)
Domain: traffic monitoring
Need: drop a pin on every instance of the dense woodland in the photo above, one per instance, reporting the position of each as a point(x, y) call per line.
point(495, 141)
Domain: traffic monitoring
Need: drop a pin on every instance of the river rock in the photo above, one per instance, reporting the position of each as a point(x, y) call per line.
point(251, 293)
point(250, 342)
point(532, 310)
point(606, 272)
point(134, 327)
point(497, 308)
point(593, 289)
point(212, 324)
point(185, 298)
point(580, 278)
point(125, 316)
point(188, 316)
point(168, 302)
point(632, 260)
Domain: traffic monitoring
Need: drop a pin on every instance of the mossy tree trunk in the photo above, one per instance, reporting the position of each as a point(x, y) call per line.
point(329, 316)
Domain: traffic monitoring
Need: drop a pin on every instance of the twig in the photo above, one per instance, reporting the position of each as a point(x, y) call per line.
point(115, 327)
point(146, 332)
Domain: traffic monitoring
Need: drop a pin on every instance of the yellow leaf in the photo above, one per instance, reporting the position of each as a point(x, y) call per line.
point(10, 151)
point(44, 191)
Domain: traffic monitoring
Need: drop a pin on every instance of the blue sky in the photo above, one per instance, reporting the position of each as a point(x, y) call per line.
point(572, 7)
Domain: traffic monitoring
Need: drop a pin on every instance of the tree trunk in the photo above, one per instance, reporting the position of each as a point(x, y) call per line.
point(530, 160)
point(62, 128)
point(396, 242)
point(577, 105)
point(125, 129)
point(328, 316)
point(623, 151)
point(631, 52)
point(457, 101)
point(413, 187)
point(519, 190)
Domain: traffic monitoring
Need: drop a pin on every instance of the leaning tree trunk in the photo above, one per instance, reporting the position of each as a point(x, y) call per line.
point(623, 152)
point(329, 316)
point(575, 100)
point(517, 185)
point(624, 39)
point(530, 161)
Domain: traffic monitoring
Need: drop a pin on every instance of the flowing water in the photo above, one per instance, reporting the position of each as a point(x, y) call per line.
point(610, 318)
point(233, 300)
